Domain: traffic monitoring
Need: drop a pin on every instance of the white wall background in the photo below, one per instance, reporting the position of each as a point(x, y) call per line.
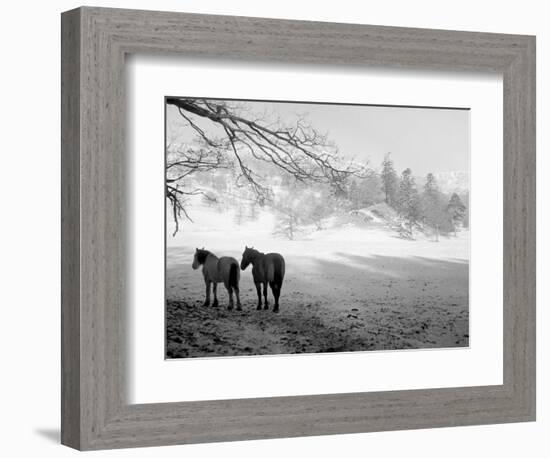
point(29, 233)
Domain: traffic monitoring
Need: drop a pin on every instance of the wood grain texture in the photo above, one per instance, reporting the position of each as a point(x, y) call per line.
point(95, 413)
point(70, 229)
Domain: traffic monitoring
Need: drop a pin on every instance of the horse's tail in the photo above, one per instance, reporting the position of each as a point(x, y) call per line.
point(234, 275)
point(278, 270)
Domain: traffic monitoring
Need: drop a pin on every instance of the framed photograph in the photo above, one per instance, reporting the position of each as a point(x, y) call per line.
point(277, 228)
point(373, 259)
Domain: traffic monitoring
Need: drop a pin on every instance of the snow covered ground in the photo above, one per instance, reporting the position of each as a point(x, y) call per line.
point(347, 287)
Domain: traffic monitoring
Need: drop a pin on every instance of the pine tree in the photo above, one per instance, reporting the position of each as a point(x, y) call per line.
point(408, 201)
point(389, 181)
point(433, 207)
point(430, 187)
point(370, 189)
point(365, 191)
point(456, 210)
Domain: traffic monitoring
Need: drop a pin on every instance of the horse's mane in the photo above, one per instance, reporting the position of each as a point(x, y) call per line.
point(254, 252)
point(202, 255)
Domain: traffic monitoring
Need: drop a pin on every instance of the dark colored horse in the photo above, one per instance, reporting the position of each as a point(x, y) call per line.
point(266, 268)
point(218, 270)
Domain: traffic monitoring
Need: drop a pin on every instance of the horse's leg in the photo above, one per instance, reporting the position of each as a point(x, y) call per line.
point(277, 295)
point(207, 300)
point(230, 291)
point(275, 289)
point(259, 291)
point(236, 288)
point(214, 289)
point(266, 304)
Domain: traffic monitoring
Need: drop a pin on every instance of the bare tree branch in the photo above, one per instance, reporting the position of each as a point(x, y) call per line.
point(297, 149)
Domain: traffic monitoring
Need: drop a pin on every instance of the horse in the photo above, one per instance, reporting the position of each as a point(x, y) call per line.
point(266, 268)
point(218, 270)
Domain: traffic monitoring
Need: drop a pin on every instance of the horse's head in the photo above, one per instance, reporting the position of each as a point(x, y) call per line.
point(247, 257)
point(199, 258)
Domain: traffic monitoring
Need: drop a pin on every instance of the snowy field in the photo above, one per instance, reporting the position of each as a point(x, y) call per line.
point(348, 287)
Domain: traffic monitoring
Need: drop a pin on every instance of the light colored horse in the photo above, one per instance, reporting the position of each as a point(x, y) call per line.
point(218, 270)
point(266, 268)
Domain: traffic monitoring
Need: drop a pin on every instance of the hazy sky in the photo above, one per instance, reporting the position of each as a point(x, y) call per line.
point(426, 140)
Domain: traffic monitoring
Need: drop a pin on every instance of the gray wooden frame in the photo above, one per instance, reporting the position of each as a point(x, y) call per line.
point(95, 413)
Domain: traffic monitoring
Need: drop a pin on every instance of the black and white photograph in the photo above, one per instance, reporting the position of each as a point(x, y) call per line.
point(308, 227)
